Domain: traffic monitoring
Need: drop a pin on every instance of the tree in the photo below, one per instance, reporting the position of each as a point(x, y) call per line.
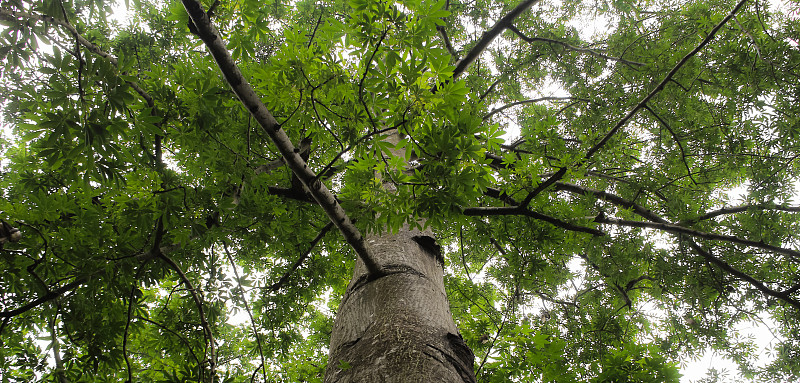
point(476, 191)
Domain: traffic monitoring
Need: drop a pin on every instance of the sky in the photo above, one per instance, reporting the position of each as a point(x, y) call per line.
point(692, 370)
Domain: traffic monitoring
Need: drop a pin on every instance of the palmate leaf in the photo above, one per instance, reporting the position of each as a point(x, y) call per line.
point(612, 185)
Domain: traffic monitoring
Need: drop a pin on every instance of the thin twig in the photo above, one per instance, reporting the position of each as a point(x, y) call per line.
point(647, 214)
point(364, 77)
point(247, 308)
point(131, 300)
point(677, 141)
point(171, 331)
point(523, 102)
point(746, 32)
point(12, 15)
point(784, 296)
point(573, 48)
point(277, 285)
point(743, 208)
point(198, 301)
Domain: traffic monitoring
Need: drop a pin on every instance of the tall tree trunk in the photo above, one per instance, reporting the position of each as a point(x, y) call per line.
point(398, 328)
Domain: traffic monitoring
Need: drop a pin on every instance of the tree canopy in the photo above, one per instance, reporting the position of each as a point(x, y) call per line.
point(612, 183)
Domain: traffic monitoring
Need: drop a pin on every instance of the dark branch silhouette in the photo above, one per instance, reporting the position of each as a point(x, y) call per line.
point(198, 301)
point(504, 23)
point(572, 48)
point(277, 285)
point(624, 121)
point(213, 41)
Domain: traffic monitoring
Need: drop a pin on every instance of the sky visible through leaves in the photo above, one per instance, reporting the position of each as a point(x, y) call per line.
point(692, 370)
point(532, 144)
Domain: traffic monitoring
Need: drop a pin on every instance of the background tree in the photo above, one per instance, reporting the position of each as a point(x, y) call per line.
point(611, 183)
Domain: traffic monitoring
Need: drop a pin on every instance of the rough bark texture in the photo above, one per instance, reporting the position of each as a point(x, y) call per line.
point(398, 327)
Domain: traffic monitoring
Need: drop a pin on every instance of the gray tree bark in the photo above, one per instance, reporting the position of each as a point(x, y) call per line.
point(398, 327)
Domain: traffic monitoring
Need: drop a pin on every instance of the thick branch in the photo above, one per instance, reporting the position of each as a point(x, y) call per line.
point(742, 208)
point(303, 150)
point(501, 195)
point(290, 193)
point(647, 214)
point(675, 229)
point(490, 35)
point(513, 210)
point(613, 198)
point(250, 100)
point(544, 185)
point(49, 296)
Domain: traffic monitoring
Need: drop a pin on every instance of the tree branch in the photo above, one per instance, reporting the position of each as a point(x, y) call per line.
point(753, 40)
point(647, 214)
point(367, 109)
point(50, 295)
point(53, 294)
point(607, 276)
point(572, 47)
point(664, 82)
point(489, 36)
point(131, 300)
point(277, 285)
point(447, 43)
point(614, 199)
point(350, 147)
point(677, 141)
point(514, 210)
point(490, 89)
point(784, 296)
point(199, 303)
point(8, 14)
point(742, 208)
point(290, 193)
point(171, 331)
point(247, 308)
point(563, 171)
point(523, 102)
point(445, 37)
point(675, 229)
point(213, 41)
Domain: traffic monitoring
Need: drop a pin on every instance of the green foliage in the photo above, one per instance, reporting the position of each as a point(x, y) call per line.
point(141, 185)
